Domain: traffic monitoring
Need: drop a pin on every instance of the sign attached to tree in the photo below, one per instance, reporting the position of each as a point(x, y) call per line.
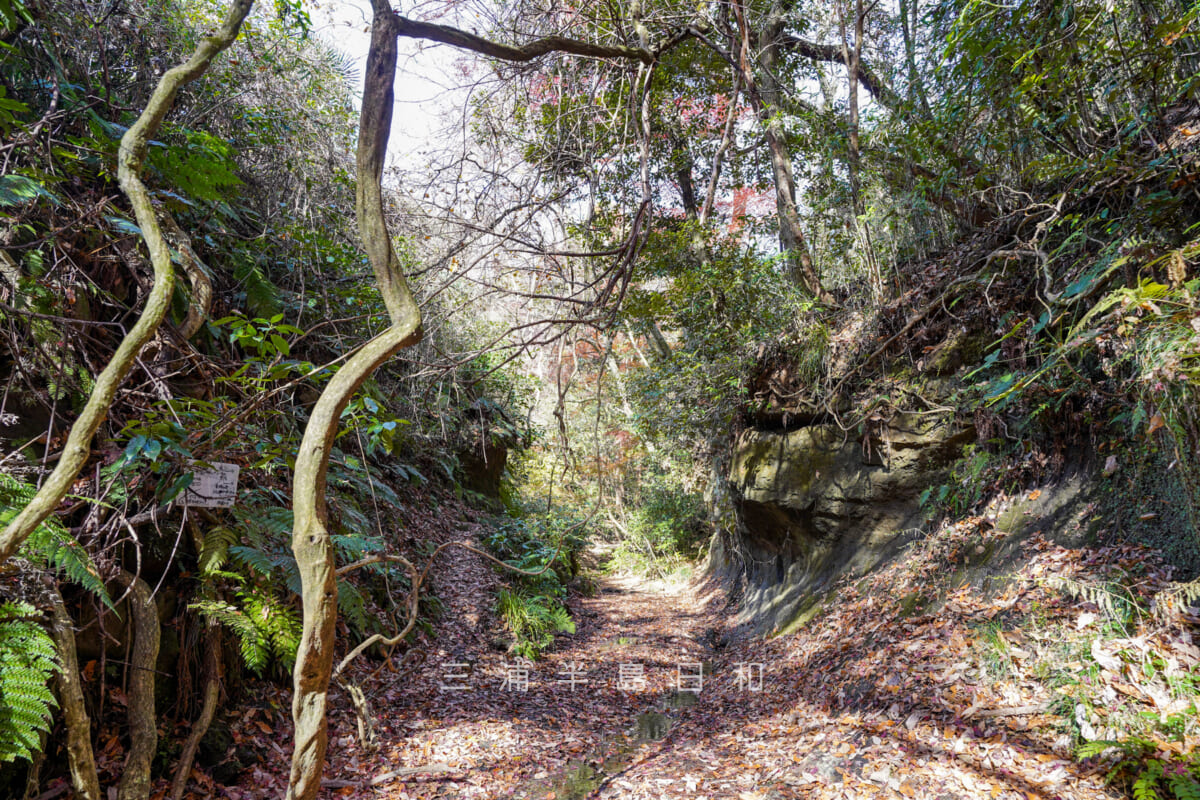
point(215, 487)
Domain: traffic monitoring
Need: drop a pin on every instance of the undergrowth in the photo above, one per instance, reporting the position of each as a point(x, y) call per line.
point(531, 605)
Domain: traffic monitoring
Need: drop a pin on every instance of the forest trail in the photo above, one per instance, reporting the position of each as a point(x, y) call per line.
point(868, 700)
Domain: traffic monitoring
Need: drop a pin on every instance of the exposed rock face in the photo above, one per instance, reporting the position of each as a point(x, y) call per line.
point(483, 467)
point(818, 502)
point(484, 461)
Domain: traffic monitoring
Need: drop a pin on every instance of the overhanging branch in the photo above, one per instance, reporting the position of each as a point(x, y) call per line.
point(415, 29)
point(833, 53)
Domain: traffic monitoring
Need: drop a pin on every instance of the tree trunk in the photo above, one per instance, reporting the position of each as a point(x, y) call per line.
point(915, 87)
point(764, 99)
point(143, 729)
point(81, 762)
point(310, 538)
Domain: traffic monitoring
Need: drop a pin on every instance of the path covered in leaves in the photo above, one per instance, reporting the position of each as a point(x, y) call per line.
point(870, 699)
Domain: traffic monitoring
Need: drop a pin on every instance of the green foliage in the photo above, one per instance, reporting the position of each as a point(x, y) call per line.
point(260, 611)
point(261, 295)
point(16, 190)
point(966, 487)
point(214, 549)
point(532, 607)
point(1146, 776)
point(724, 302)
point(200, 167)
point(293, 14)
point(262, 338)
point(536, 543)
point(384, 431)
point(28, 661)
point(266, 626)
point(663, 529)
point(533, 620)
point(254, 557)
point(50, 546)
point(13, 13)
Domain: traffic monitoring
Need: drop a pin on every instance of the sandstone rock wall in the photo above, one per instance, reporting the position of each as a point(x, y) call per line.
point(818, 502)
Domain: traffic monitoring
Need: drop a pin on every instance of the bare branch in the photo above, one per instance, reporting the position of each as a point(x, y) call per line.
point(834, 53)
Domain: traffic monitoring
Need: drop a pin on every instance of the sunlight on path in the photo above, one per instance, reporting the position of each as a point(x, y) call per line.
point(646, 700)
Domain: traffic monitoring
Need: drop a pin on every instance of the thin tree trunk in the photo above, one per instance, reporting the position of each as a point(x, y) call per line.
point(213, 673)
point(764, 99)
point(311, 543)
point(719, 156)
point(915, 86)
point(130, 158)
point(852, 54)
point(143, 729)
point(81, 761)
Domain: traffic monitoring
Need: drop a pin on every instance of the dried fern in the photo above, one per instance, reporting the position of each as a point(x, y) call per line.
point(1181, 595)
point(1114, 601)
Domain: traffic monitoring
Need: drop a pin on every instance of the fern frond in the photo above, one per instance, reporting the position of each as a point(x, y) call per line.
point(50, 546)
point(262, 296)
point(1114, 601)
point(214, 551)
point(29, 661)
point(254, 646)
point(352, 606)
point(1144, 788)
point(1097, 747)
point(1185, 787)
point(254, 559)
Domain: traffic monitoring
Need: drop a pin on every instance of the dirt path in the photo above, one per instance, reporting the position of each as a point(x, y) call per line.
point(869, 700)
point(505, 727)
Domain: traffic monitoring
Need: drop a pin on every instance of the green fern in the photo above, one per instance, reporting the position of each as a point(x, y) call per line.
point(533, 620)
point(27, 663)
point(265, 547)
point(202, 166)
point(262, 296)
point(1097, 747)
point(50, 546)
point(267, 627)
point(1150, 778)
point(253, 645)
point(214, 551)
point(1144, 788)
point(1184, 786)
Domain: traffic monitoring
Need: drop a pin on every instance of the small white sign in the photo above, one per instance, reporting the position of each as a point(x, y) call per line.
point(213, 488)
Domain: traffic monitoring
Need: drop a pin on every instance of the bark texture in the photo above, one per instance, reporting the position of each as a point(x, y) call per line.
point(81, 761)
point(143, 732)
point(310, 536)
point(198, 276)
